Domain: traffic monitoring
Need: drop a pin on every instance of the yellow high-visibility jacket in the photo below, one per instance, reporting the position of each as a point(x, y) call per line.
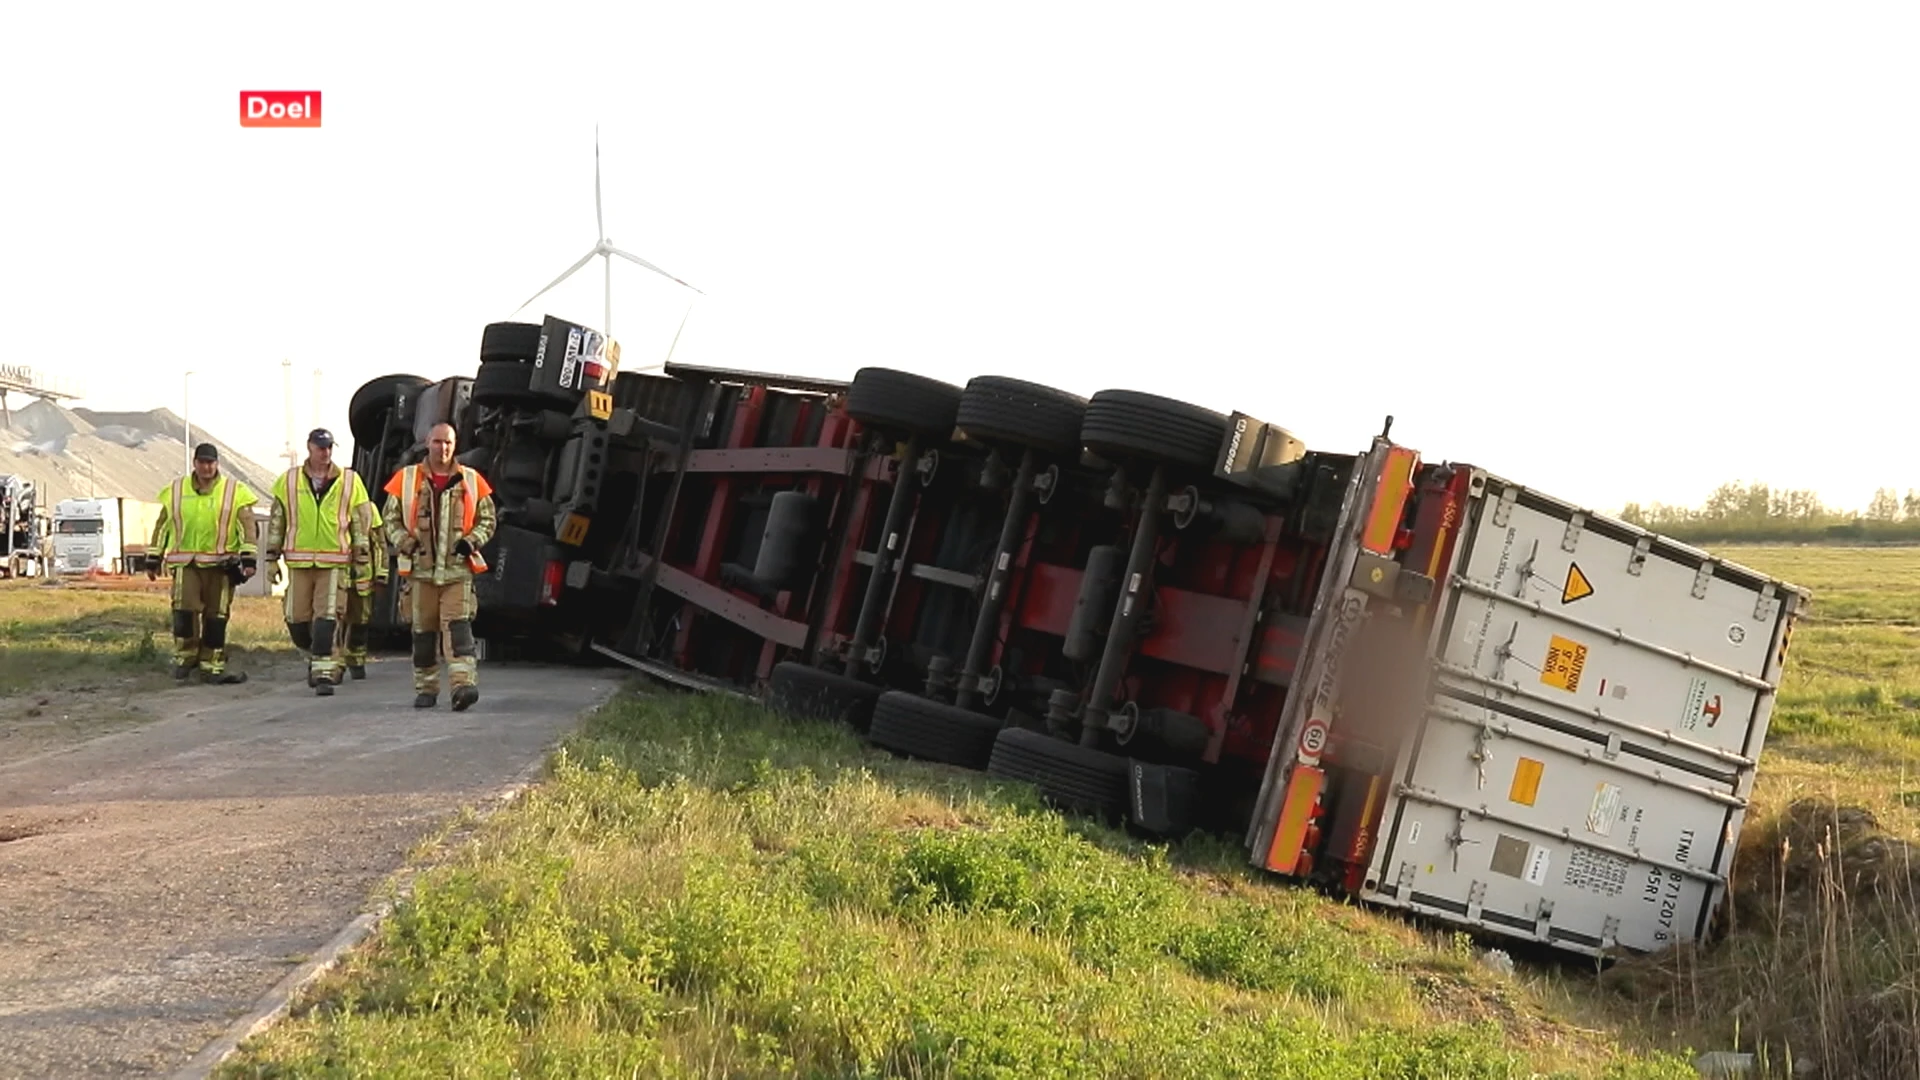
point(320, 533)
point(196, 528)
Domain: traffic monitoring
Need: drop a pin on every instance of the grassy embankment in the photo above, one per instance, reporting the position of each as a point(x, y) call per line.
point(703, 890)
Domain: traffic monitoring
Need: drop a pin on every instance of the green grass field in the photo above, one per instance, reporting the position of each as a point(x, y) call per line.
point(703, 890)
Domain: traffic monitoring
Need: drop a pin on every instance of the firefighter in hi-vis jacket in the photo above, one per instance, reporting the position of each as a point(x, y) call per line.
point(360, 601)
point(438, 517)
point(205, 539)
point(316, 532)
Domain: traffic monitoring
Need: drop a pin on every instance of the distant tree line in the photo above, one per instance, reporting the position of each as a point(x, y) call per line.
point(1756, 513)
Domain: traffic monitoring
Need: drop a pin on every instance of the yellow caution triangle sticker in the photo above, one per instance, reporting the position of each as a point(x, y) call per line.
point(1577, 586)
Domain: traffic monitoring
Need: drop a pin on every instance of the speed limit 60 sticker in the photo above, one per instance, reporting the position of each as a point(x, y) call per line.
point(1313, 738)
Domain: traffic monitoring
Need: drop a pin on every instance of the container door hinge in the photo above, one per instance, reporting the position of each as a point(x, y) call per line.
point(1610, 933)
point(1543, 920)
point(1700, 579)
point(1458, 837)
point(1403, 884)
point(1481, 755)
point(1574, 525)
point(1613, 745)
point(1638, 562)
point(1476, 895)
point(1768, 605)
point(1504, 508)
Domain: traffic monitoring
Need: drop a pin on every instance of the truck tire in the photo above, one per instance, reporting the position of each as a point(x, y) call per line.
point(372, 399)
point(1126, 425)
point(932, 731)
point(796, 690)
point(1068, 775)
point(500, 382)
point(903, 403)
point(994, 408)
point(515, 341)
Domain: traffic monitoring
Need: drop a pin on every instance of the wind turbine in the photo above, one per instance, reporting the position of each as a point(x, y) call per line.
point(605, 249)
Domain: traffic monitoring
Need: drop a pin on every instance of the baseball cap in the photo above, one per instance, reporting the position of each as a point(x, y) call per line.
point(320, 437)
point(206, 452)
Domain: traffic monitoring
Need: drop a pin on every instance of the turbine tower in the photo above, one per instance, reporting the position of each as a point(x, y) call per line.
point(605, 249)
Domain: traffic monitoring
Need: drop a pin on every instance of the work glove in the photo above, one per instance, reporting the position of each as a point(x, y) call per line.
point(250, 565)
point(462, 548)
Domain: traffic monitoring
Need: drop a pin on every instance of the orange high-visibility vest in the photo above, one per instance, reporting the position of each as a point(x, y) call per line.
point(412, 479)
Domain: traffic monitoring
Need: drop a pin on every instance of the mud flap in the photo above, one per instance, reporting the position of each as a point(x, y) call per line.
point(1162, 798)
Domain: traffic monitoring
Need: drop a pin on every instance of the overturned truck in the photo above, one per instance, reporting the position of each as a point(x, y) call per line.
point(1416, 683)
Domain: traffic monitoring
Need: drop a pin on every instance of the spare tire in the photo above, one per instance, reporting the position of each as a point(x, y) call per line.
point(994, 408)
point(515, 341)
point(500, 382)
point(1126, 424)
point(903, 403)
point(365, 411)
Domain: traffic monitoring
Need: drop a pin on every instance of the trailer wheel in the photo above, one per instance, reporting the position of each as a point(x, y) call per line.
point(515, 341)
point(375, 396)
point(900, 401)
point(932, 731)
point(796, 690)
point(994, 408)
point(1068, 775)
point(501, 381)
point(1124, 424)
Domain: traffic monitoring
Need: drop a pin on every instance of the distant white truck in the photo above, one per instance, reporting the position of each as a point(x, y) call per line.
point(105, 535)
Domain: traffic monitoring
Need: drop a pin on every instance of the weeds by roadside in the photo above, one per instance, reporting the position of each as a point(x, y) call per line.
point(704, 890)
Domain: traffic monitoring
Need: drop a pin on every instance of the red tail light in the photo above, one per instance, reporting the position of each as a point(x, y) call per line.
point(552, 583)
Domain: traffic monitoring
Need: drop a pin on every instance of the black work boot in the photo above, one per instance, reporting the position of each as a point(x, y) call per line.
point(323, 688)
point(358, 671)
point(181, 672)
point(464, 696)
point(424, 701)
point(228, 678)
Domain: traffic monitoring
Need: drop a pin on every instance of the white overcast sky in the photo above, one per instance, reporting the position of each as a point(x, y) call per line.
point(1560, 242)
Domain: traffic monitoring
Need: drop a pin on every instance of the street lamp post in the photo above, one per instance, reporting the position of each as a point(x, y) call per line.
point(186, 408)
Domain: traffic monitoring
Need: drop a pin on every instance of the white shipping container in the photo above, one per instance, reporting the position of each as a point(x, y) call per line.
point(1597, 703)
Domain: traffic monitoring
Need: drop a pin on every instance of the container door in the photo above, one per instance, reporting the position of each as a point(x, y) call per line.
point(1598, 701)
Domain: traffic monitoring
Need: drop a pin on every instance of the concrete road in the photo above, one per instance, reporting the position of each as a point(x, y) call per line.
point(156, 882)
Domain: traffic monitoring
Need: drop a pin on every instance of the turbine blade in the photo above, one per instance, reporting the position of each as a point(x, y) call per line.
point(630, 257)
point(569, 273)
point(599, 221)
